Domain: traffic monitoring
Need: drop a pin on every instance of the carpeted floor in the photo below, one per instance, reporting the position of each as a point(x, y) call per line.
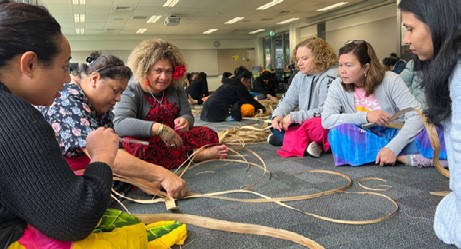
point(411, 227)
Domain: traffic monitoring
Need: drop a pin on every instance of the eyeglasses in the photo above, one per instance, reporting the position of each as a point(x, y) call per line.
point(356, 42)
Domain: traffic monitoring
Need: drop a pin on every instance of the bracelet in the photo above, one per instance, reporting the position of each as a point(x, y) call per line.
point(160, 130)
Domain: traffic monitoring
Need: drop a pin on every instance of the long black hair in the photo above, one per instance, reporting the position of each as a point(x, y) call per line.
point(25, 27)
point(442, 19)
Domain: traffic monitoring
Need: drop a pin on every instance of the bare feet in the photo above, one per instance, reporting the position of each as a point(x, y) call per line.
point(213, 152)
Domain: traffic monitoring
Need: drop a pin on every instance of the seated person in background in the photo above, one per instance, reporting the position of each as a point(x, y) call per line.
point(154, 108)
point(87, 105)
point(366, 93)
point(389, 63)
point(225, 75)
point(204, 82)
point(187, 81)
point(399, 65)
point(265, 86)
point(413, 79)
point(299, 109)
point(196, 89)
point(231, 100)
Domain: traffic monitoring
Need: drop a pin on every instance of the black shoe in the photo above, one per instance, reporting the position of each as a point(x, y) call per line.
point(273, 140)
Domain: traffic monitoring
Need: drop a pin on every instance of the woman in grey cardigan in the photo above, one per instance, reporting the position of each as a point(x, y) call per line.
point(296, 120)
point(154, 108)
point(363, 94)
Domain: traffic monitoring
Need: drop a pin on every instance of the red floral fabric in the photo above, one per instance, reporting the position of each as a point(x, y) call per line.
point(157, 152)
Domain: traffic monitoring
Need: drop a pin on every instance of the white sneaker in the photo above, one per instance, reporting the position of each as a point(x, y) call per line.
point(314, 150)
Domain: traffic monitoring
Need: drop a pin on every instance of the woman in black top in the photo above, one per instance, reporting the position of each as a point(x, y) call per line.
point(226, 101)
point(38, 189)
point(265, 86)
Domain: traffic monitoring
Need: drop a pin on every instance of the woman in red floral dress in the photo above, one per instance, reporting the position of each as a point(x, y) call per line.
point(154, 107)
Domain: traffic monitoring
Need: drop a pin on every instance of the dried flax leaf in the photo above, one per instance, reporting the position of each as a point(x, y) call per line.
point(244, 135)
point(435, 143)
point(234, 227)
point(366, 179)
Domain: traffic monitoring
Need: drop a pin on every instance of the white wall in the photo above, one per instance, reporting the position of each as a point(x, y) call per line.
point(377, 26)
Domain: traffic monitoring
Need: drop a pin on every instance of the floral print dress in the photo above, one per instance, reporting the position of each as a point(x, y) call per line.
point(72, 119)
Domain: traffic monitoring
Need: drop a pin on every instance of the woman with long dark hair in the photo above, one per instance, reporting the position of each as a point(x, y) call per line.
point(433, 35)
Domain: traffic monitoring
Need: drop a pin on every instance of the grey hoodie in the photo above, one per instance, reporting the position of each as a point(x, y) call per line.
point(305, 96)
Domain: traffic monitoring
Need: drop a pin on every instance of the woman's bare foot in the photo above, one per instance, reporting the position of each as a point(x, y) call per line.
point(213, 152)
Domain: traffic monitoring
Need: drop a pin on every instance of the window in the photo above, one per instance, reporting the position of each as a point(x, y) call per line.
point(277, 51)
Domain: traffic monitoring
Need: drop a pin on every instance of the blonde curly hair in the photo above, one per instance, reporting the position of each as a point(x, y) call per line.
point(149, 52)
point(324, 56)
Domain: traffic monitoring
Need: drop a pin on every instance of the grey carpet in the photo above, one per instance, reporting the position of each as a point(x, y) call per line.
point(411, 227)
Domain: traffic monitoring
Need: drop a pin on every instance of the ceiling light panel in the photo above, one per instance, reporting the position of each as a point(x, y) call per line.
point(209, 31)
point(270, 4)
point(234, 20)
point(78, 2)
point(336, 5)
point(289, 20)
point(153, 19)
point(256, 31)
point(170, 3)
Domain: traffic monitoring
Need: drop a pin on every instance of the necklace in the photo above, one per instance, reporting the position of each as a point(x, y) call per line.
point(158, 101)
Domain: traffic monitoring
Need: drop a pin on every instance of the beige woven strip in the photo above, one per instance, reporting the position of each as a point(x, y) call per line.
point(366, 179)
point(441, 193)
point(234, 227)
point(435, 143)
point(279, 200)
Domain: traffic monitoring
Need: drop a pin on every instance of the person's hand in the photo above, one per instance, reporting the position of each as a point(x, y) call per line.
point(102, 145)
point(386, 157)
point(286, 122)
point(174, 185)
point(273, 98)
point(277, 123)
point(378, 117)
point(168, 135)
point(181, 124)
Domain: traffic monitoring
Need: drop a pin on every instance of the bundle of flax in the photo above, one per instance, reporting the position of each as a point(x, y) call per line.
point(244, 135)
point(270, 105)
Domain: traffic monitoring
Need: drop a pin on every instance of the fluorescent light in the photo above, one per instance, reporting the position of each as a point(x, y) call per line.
point(256, 31)
point(234, 20)
point(270, 4)
point(153, 19)
point(336, 5)
point(141, 31)
point(79, 18)
point(209, 31)
point(170, 3)
point(289, 20)
point(80, 31)
point(77, 2)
